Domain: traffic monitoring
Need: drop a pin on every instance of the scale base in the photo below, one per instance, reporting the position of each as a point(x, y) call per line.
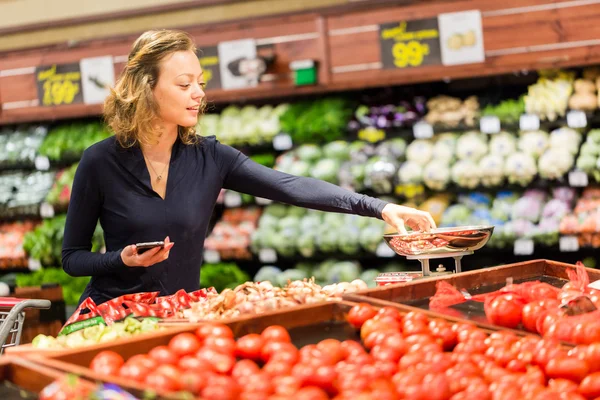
point(424, 260)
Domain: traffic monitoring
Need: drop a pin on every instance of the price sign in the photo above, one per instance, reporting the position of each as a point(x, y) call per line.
point(232, 199)
point(409, 190)
point(59, 84)
point(523, 247)
point(489, 124)
point(384, 251)
point(212, 256)
point(578, 179)
point(46, 210)
point(282, 142)
point(42, 163)
point(529, 122)
point(422, 130)
point(576, 119)
point(34, 265)
point(568, 244)
point(409, 44)
point(267, 256)
point(209, 61)
point(371, 134)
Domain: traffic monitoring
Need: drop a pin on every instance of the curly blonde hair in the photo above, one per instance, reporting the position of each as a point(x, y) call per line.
point(130, 110)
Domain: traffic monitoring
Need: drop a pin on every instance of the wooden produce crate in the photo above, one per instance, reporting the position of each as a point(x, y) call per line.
point(29, 375)
point(306, 324)
point(46, 322)
point(415, 294)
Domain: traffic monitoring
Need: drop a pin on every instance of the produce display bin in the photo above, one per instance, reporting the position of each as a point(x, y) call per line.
point(28, 375)
point(415, 294)
point(306, 324)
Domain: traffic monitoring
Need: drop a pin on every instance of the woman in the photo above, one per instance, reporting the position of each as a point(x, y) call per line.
point(157, 179)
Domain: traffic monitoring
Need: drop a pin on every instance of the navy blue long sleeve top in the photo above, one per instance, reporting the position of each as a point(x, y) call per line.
point(112, 185)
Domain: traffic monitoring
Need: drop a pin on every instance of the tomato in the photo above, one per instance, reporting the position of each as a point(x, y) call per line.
point(214, 329)
point(184, 344)
point(107, 363)
point(135, 371)
point(286, 385)
point(383, 353)
point(350, 347)
point(446, 335)
point(516, 366)
point(221, 391)
point(288, 354)
point(468, 333)
point(143, 359)
point(193, 381)
point(377, 337)
point(396, 342)
point(361, 313)
point(221, 345)
point(277, 368)
point(568, 368)
point(302, 372)
point(244, 368)
point(162, 382)
point(410, 360)
point(360, 359)
point(562, 385)
point(311, 393)
point(271, 348)
point(590, 386)
point(592, 332)
point(387, 369)
point(592, 357)
point(163, 355)
point(311, 354)
point(412, 327)
point(250, 346)
point(438, 386)
point(190, 363)
point(391, 312)
point(323, 377)
point(260, 383)
point(276, 333)
point(375, 325)
point(333, 348)
point(505, 310)
point(222, 363)
point(66, 388)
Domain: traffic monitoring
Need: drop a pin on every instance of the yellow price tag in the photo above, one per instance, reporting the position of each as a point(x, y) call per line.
point(372, 135)
point(409, 190)
point(409, 54)
point(59, 84)
point(57, 93)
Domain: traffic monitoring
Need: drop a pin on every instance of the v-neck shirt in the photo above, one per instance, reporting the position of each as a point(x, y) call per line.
point(112, 185)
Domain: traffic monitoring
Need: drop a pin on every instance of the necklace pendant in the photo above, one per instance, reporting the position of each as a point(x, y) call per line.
point(158, 178)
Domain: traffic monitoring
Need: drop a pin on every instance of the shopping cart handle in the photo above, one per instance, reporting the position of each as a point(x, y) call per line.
point(10, 302)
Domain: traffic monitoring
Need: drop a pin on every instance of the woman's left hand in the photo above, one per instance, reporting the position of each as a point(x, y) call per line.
point(399, 216)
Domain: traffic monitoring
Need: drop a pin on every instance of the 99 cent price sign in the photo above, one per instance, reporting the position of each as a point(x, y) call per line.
point(409, 44)
point(59, 84)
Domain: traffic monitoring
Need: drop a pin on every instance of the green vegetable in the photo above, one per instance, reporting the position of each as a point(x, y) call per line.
point(323, 120)
point(70, 140)
point(222, 276)
point(508, 111)
point(72, 287)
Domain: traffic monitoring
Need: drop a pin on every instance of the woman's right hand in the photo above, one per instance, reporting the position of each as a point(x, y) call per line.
point(131, 258)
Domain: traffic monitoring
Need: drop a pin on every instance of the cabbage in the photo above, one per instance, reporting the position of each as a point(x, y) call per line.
point(410, 172)
point(394, 148)
point(455, 215)
point(291, 275)
point(379, 174)
point(436, 175)
point(503, 144)
point(284, 242)
point(349, 240)
point(297, 212)
point(466, 174)
point(325, 170)
point(327, 240)
point(590, 148)
point(288, 222)
point(337, 150)
point(370, 237)
point(267, 273)
point(268, 221)
point(306, 244)
point(533, 143)
point(555, 163)
point(345, 271)
point(491, 168)
point(566, 139)
point(309, 153)
point(299, 168)
point(471, 146)
point(310, 223)
point(352, 174)
point(594, 136)
point(419, 151)
point(443, 151)
point(587, 163)
point(520, 168)
point(368, 276)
